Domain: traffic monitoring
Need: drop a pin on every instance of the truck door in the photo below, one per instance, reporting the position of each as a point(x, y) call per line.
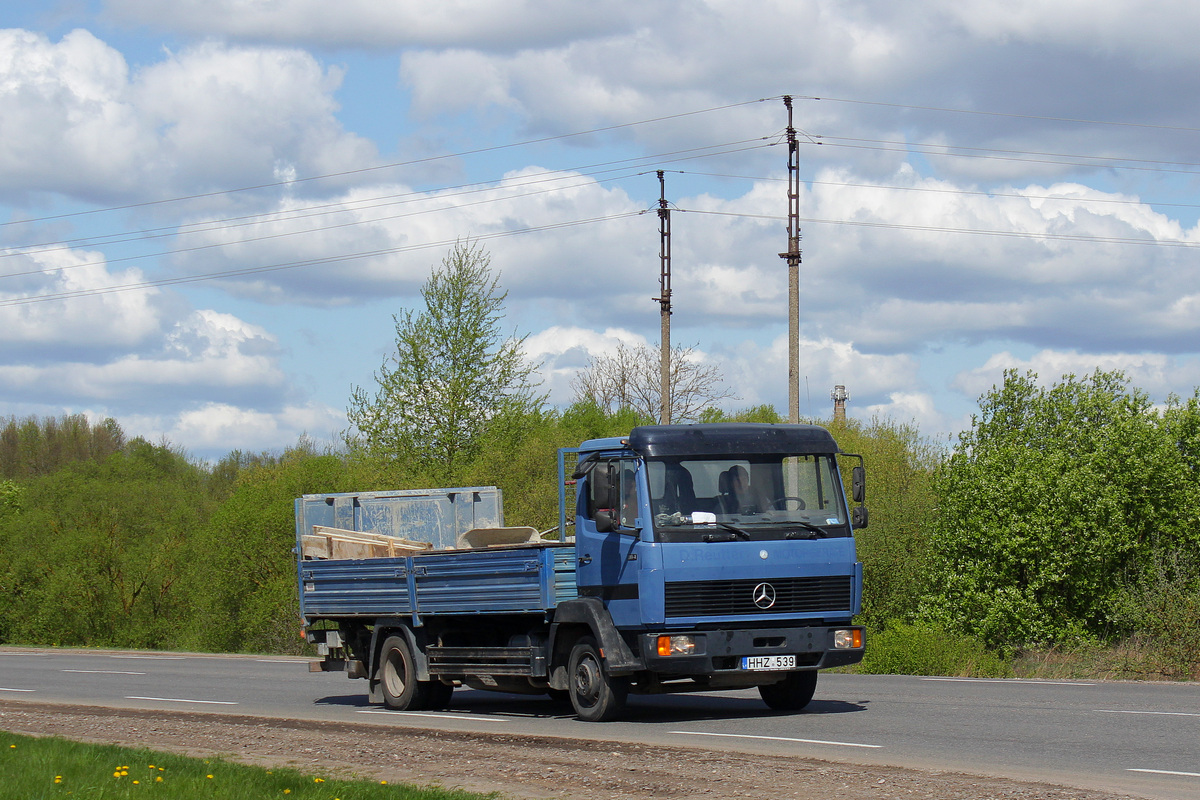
point(607, 533)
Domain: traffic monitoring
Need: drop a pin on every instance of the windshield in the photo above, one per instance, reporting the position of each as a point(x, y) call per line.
point(759, 497)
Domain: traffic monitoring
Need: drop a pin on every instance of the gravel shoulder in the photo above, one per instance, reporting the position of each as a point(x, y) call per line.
point(524, 767)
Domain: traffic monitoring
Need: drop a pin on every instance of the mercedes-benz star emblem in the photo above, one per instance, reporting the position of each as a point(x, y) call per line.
point(764, 595)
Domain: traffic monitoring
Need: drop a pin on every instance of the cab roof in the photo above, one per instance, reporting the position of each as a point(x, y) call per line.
point(721, 439)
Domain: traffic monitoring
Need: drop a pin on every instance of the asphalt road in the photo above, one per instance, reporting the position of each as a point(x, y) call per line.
point(1138, 738)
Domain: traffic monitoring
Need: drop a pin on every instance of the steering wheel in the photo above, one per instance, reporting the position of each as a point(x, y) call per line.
point(785, 499)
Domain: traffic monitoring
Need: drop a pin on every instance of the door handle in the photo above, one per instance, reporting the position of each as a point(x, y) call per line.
point(584, 560)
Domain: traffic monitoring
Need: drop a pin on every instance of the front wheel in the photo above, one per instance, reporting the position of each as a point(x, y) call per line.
point(792, 693)
point(595, 695)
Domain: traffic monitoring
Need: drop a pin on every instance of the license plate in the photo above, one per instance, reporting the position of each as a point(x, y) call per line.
point(760, 663)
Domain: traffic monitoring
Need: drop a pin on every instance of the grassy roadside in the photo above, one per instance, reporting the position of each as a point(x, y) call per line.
point(40, 768)
point(923, 649)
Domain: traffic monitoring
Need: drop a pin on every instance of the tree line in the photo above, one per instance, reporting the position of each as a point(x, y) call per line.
point(1065, 516)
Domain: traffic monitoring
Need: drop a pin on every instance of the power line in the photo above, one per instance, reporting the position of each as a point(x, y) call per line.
point(394, 165)
point(451, 193)
point(943, 229)
point(139, 285)
point(924, 148)
point(943, 190)
point(1079, 121)
point(275, 217)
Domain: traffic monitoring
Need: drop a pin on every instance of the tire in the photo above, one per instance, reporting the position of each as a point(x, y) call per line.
point(398, 677)
point(595, 695)
point(792, 693)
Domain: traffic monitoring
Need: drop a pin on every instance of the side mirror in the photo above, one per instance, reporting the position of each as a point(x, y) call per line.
point(604, 490)
point(604, 494)
point(858, 517)
point(605, 522)
point(858, 484)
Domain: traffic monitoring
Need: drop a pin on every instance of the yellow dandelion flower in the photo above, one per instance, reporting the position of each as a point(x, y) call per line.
point(135, 783)
point(158, 779)
point(210, 776)
point(318, 780)
point(287, 791)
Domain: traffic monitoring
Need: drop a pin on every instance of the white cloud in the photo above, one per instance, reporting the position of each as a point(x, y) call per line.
point(487, 23)
point(564, 350)
point(215, 428)
point(1147, 30)
point(68, 124)
point(77, 122)
point(759, 374)
point(203, 355)
point(1155, 373)
point(919, 408)
point(96, 322)
point(399, 233)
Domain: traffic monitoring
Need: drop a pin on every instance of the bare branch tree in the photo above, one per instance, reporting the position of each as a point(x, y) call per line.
point(630, 378)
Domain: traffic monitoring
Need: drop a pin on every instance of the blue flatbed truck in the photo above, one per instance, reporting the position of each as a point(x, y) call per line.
point(704, 557)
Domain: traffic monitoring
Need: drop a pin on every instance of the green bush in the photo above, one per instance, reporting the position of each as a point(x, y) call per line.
point(1056, 505)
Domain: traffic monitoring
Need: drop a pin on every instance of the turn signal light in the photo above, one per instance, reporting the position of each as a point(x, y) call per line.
point(850, 639)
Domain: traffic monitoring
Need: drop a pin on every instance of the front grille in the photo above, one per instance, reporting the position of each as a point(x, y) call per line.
point(726, 598)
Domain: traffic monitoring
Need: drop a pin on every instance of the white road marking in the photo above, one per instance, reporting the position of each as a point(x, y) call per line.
point(102, 671)
point(424, 714)
point(1159, 713)
point(1167, 772)
point(777, 739)
point(154, 658)
point(1010, 681)
point(184, 700)
point(17, 690)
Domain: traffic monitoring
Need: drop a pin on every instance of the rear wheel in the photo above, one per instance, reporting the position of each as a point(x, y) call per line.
point(398, 678)
point(792, 693)
point(595, 695)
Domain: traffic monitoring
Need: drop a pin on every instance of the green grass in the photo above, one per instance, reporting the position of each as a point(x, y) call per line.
point(903, 648)
point(35, 768)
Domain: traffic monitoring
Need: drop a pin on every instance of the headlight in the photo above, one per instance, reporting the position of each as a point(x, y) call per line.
point(676, 645)
point(851, 639)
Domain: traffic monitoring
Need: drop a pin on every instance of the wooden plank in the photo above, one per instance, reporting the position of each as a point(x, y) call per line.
point(326, 542)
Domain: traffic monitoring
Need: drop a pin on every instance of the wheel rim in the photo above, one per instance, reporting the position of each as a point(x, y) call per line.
point(587, 681)
point(393, 674)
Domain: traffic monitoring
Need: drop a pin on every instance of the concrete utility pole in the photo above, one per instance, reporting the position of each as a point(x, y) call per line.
point(793, 260)
point(664, 298)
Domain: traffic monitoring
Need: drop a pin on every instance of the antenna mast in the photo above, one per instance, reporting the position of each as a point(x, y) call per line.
point(793, 260)
point(664, 298)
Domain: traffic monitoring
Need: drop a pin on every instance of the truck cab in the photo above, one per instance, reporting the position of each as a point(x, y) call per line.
point(723, 553)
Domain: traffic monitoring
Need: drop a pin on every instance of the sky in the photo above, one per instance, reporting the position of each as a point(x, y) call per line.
point(211, 210)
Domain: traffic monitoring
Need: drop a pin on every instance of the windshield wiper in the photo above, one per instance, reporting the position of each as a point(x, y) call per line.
point(810, 531)
point(735, 534)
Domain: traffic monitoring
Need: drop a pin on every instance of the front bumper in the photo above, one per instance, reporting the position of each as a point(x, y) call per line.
point(722, 650)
